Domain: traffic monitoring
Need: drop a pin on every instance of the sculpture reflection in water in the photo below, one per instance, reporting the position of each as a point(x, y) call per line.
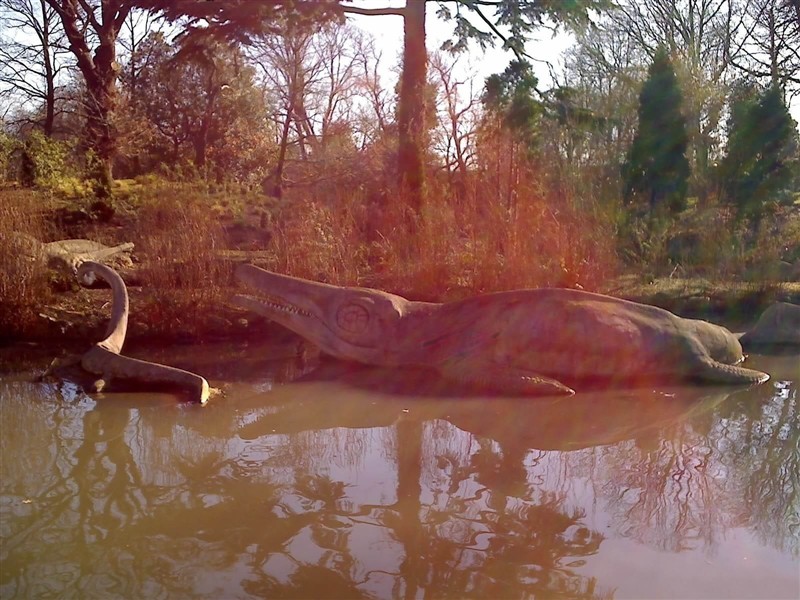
point(349, 488)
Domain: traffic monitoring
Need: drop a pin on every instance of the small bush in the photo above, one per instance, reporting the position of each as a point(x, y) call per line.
point(45, 161)
point(150, 179)
point(8, 145)
point(71, 188)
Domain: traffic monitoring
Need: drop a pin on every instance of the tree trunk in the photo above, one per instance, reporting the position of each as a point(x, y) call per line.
point(408, 507)
point(50, 84)
point(101, 102)
point(274, 186)
point(100, 75)
point(411, 105)
point(201, 139)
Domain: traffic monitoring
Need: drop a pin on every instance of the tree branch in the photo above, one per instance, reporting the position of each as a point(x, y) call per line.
point(357, 10)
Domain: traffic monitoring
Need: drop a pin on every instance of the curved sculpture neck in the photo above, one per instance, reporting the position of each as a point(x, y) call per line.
point(118, 325)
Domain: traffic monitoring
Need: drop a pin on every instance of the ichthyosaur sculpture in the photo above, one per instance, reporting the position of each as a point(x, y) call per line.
point(104, 358)
point(538, 341)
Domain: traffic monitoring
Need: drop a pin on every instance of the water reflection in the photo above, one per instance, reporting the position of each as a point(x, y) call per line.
point(363, 484)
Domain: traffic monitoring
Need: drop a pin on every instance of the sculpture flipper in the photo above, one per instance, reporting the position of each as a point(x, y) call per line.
point(478, 376)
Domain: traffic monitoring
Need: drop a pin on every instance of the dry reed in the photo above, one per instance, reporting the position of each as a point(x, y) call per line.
point(178, 242)
point(456, 246)
point(24, 285)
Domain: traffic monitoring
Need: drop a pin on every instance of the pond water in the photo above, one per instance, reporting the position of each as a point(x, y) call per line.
point(332, 482)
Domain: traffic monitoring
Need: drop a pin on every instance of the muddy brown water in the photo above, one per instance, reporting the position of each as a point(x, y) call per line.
point(325, 482)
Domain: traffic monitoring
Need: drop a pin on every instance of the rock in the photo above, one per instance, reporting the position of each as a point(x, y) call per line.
point(778, 325)
point(69, 254)
point(778, 270)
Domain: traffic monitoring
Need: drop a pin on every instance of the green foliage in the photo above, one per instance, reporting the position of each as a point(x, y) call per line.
point(762, 153)
point(8, 145)
point(656, 168)
point(563, 106)
point(517, 17)
point(510, 95)
point(45, 161)
point(72, 188)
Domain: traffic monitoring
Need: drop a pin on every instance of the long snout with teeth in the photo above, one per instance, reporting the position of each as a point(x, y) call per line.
point(295, 303)
point(346, 322)
point(282, 297)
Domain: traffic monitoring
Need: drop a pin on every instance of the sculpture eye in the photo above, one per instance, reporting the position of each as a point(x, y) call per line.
point(353, 318)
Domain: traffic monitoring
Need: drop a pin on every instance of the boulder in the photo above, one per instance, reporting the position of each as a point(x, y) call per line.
point(779, 325)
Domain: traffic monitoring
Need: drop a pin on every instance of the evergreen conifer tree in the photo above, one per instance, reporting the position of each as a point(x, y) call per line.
point(656, 169)
point(512, 96)
point(762, 148)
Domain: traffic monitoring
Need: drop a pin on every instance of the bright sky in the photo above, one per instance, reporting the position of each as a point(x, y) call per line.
point(388, 33)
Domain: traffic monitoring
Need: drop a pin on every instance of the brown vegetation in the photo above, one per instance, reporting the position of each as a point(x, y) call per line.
point(24, 286)
point(188, 236)
point(179, 241)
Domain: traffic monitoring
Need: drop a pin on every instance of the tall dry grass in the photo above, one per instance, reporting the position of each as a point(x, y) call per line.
point(322, 241)
point(458, 245)
point(178, 238)
point(24, 284)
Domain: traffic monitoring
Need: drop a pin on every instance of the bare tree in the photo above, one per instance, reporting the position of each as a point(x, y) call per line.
point(135, 30)
point(373, 113)
point(458, 104)
point(285, 68)
point(33, 58)
point(313, 78)
point(768, 47)
point(336, 89)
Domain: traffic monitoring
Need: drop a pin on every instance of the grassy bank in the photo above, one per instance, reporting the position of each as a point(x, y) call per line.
point(188, 238)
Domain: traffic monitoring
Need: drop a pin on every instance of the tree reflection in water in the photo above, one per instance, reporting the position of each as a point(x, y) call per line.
point(764, 450)
point(737, 466)
point(321, 490)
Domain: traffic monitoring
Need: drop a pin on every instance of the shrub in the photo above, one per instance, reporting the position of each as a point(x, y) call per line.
point(71, 188)
point(8, 145)
point(44, 161)
point(761, 161)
